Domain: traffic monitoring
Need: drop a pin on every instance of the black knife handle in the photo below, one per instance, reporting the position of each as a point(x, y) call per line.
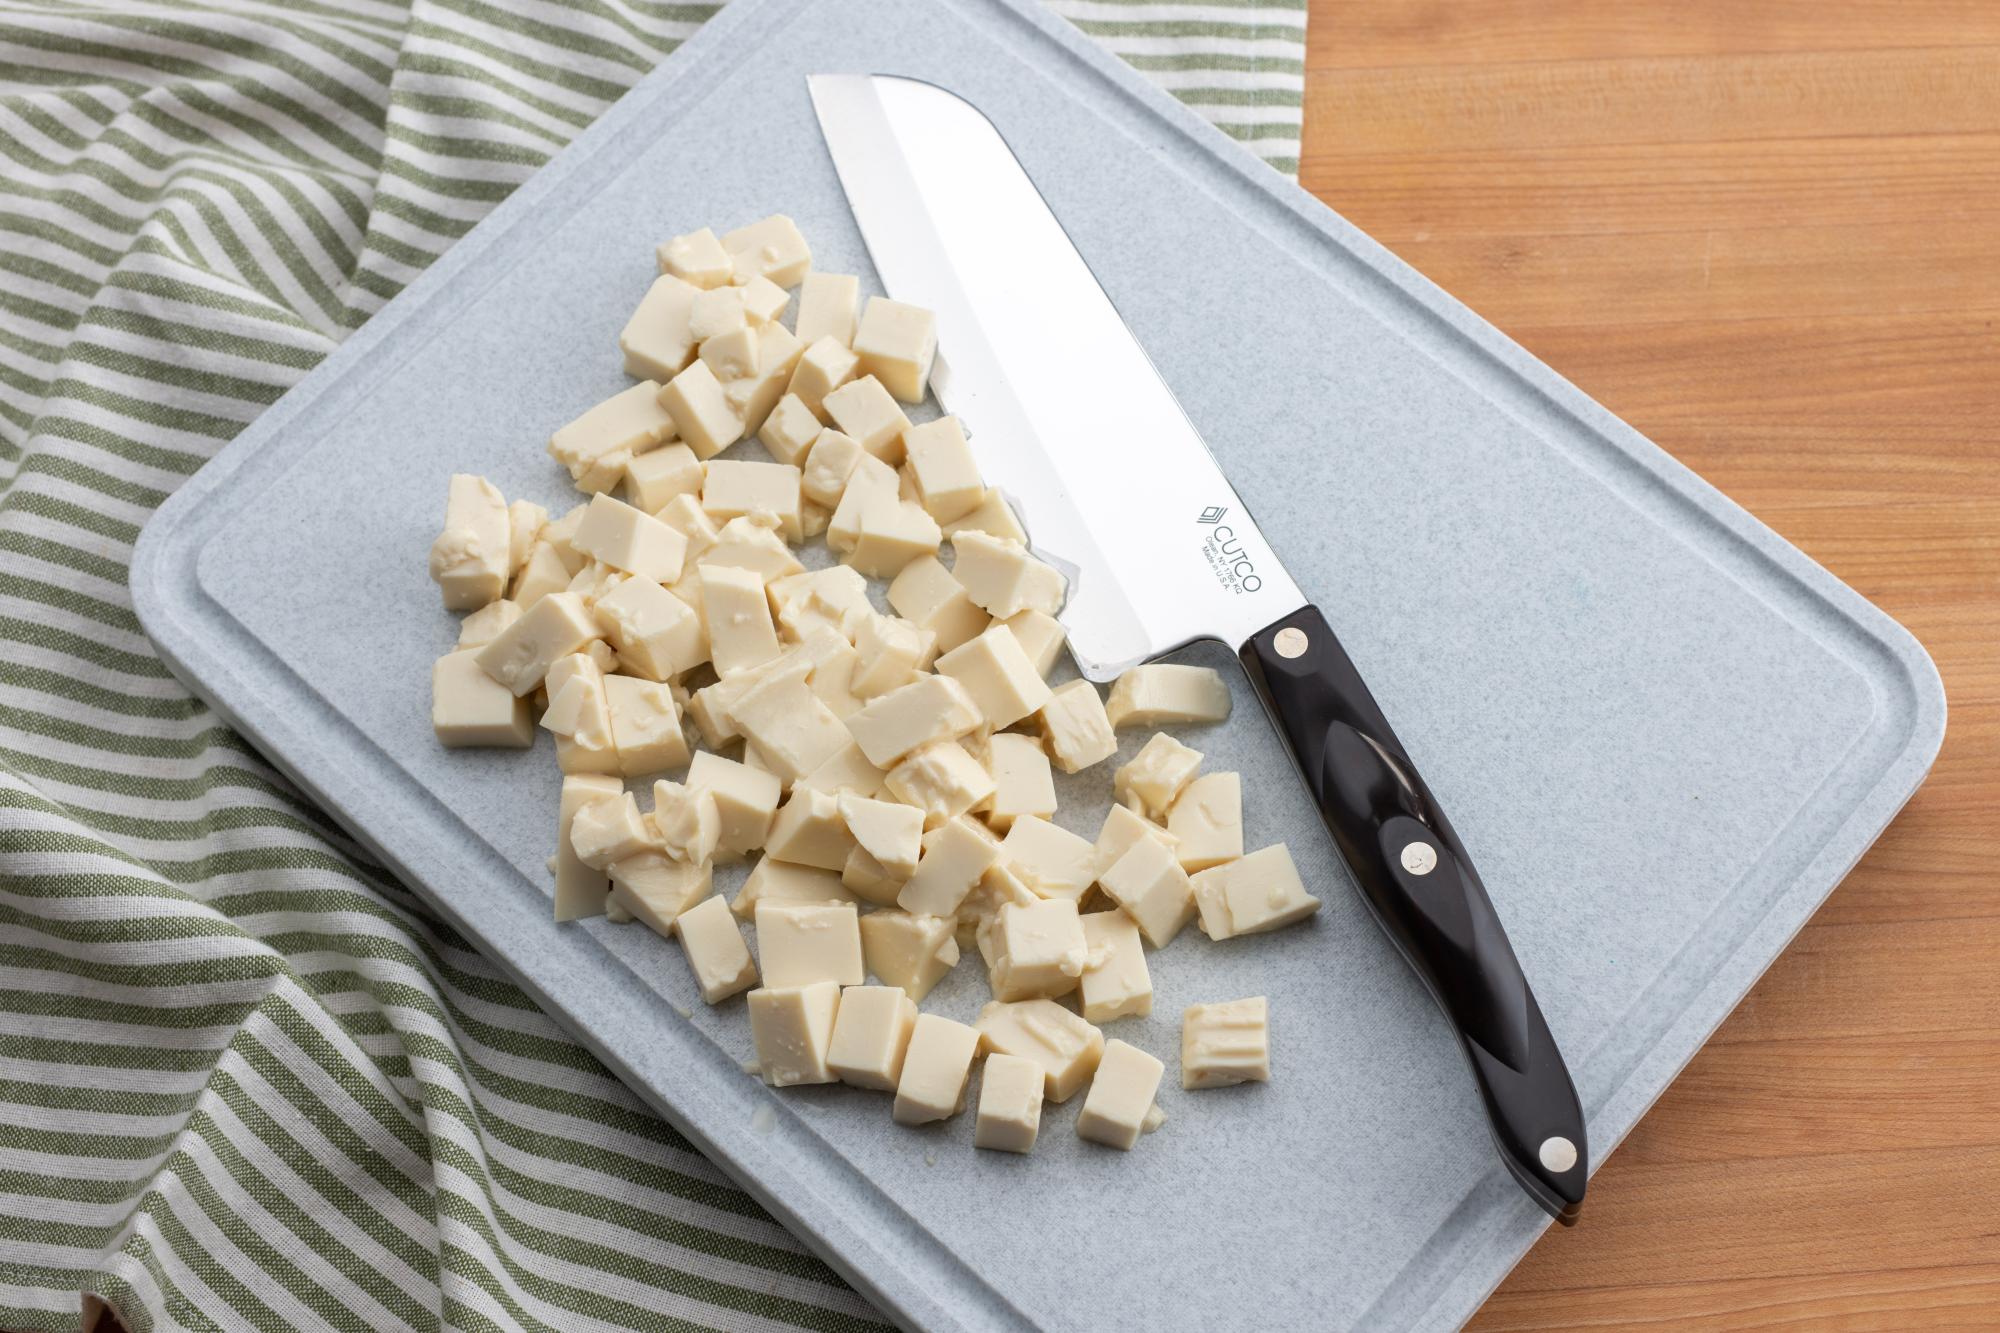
point(1421, 886)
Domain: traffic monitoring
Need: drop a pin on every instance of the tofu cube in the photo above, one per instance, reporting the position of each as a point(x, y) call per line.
point(935, 1068)
point(1041, 637)
point(658, 475)
point(752, 541)
point(888, 831)
point(740, 633)
point(656, 341)
point(554, 627)
point(731, 355)
point(871, 1033)
point(487, 623)
point(832, 461)
point(718, 312)
point(808, 831)
point(581, 889)
point(865, 878)
point(772, 249)
point(864, 410)
point(543, 574)
point(941, 779)
point(927, 710)
point(1000, 576)
point(645, 726)
point(694, 401)
point(1156, 775)
point(686, 820)
point(827, 302)
point(685, 515)
point(775, 881)
point(790, 430)
point(1064, 1048)
point(697, 259)
point(1010, 1104)
point(716, 953)
point(763, 300)
point(897, 343)
point(656, 889)
point(1149, 884)
point(1207, 821)
point(525, 521)
point(1051, 861)
point(890, 534)
point(1121, 1096)
point(630, 539)
point(1115, 982)
point(1074, 727)
point(908, 951)
point(610, 830)
point(657, 635)
point(998, 675)
point(470, 708)
point(745, 801)
point(1023, 783)
point(1039, 950)
point(1253, 894)
point(994, 516)
point(1226, 1043)
point(800, 943)
point(824, 366)
point(957, 856)
point(734, 488)
point(793, 1029)
point(471, 558)
point(889, 653)
point(848, 771)
point(793, 731)
point(627, 423)
point(941, 461)
point(1121, 829)
point(753, 397)
point(1163, 693)
point(925, 594)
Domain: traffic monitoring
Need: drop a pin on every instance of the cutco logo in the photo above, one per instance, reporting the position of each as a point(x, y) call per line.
point(1224, 552)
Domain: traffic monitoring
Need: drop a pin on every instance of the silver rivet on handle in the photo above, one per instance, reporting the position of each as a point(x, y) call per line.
point(1290, 642)
point(1420, 858)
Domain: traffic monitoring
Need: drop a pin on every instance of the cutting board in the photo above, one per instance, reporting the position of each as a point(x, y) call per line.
point(1665, 733)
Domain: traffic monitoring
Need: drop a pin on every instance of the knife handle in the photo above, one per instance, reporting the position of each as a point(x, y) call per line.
point(1422, 888)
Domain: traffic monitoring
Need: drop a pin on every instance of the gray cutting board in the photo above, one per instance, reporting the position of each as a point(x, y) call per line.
point(1664, 732)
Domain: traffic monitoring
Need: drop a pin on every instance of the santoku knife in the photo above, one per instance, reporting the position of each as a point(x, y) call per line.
point(1115, 487)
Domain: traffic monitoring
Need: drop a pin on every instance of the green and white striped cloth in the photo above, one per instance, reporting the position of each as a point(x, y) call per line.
point(246, 1079)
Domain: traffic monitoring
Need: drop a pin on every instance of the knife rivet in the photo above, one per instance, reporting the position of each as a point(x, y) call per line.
point(1420, 858)
point(1558, 1154)
point(1290, 642)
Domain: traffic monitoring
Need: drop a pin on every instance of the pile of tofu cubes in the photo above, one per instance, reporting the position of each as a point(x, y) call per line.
point(890, 771)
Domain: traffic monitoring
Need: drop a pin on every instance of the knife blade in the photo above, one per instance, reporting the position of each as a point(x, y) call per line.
point(1115, 486)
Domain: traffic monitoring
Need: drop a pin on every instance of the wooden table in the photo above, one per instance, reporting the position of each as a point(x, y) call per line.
point(1766, 233)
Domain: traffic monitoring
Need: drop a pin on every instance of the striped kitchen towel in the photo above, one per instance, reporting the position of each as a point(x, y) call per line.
point(246, 1079)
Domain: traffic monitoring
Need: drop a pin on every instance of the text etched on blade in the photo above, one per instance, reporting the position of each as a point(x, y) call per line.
point(1224, 552)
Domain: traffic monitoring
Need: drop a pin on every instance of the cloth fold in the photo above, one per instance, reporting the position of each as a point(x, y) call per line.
point(246, 1078)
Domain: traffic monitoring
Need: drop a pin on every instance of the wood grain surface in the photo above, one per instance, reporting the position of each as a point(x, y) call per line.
point(1766, 233)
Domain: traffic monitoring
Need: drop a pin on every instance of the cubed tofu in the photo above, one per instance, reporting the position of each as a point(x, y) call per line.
point(763, 301)
point(1001, 577)
point(994, 516)
point(579, 716)
point(486, 624)
point(942, 779)
point(772, 249)
point(611, 830)
point(793, 731)
point(827, 303)
point(1023, 783)
point(716, 953)
point(1075, 728)
point(909, 951)
point(697, 259)
point(1162, 694)
point(848, 770)
point(1121, 829)
point(655, 340)
point(745, 801)
point(1156, 775)
point(1225, 1043)
point(687, 821)
point(1121, 1096)
point(957, 855)
point(698, 408)
point(870, 1035)
point(645, 726)
point(470, 708)
point(793, 1030)
point(865, 878)
point(927, 710)
point(731, 355)
point(1252, 894)
point(1207, 821)
point(808, 831)
point(897, 343)
point(800, 943)
point(1149, 884)
point(832, 461)
point(657, 635)
point(1050, 860)
point(871, 482)
point(941, 461)
point(790, 430)
point(863, 409)
point(890, 534)
point(753, 541)
point(718, 312)
point(998, 675)
point(471, 558)
point(656, 889)
point(890, 651)
point(1038, 950)
point(888, 831)
point(1063, 1048)
point(753, 397)
point(925, 594)
point(627, 423)
point(1115, 982)
point(825, 365)
point(740, 633)
point(581, 889)
point(733, 488)
point(935, 1068)
point(555, 627)
point(525, 521)
point(630, 539)
point(543, 574)
point(557, 533)
point(685, 515)
point(1010, 1104)
point(658, 475)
